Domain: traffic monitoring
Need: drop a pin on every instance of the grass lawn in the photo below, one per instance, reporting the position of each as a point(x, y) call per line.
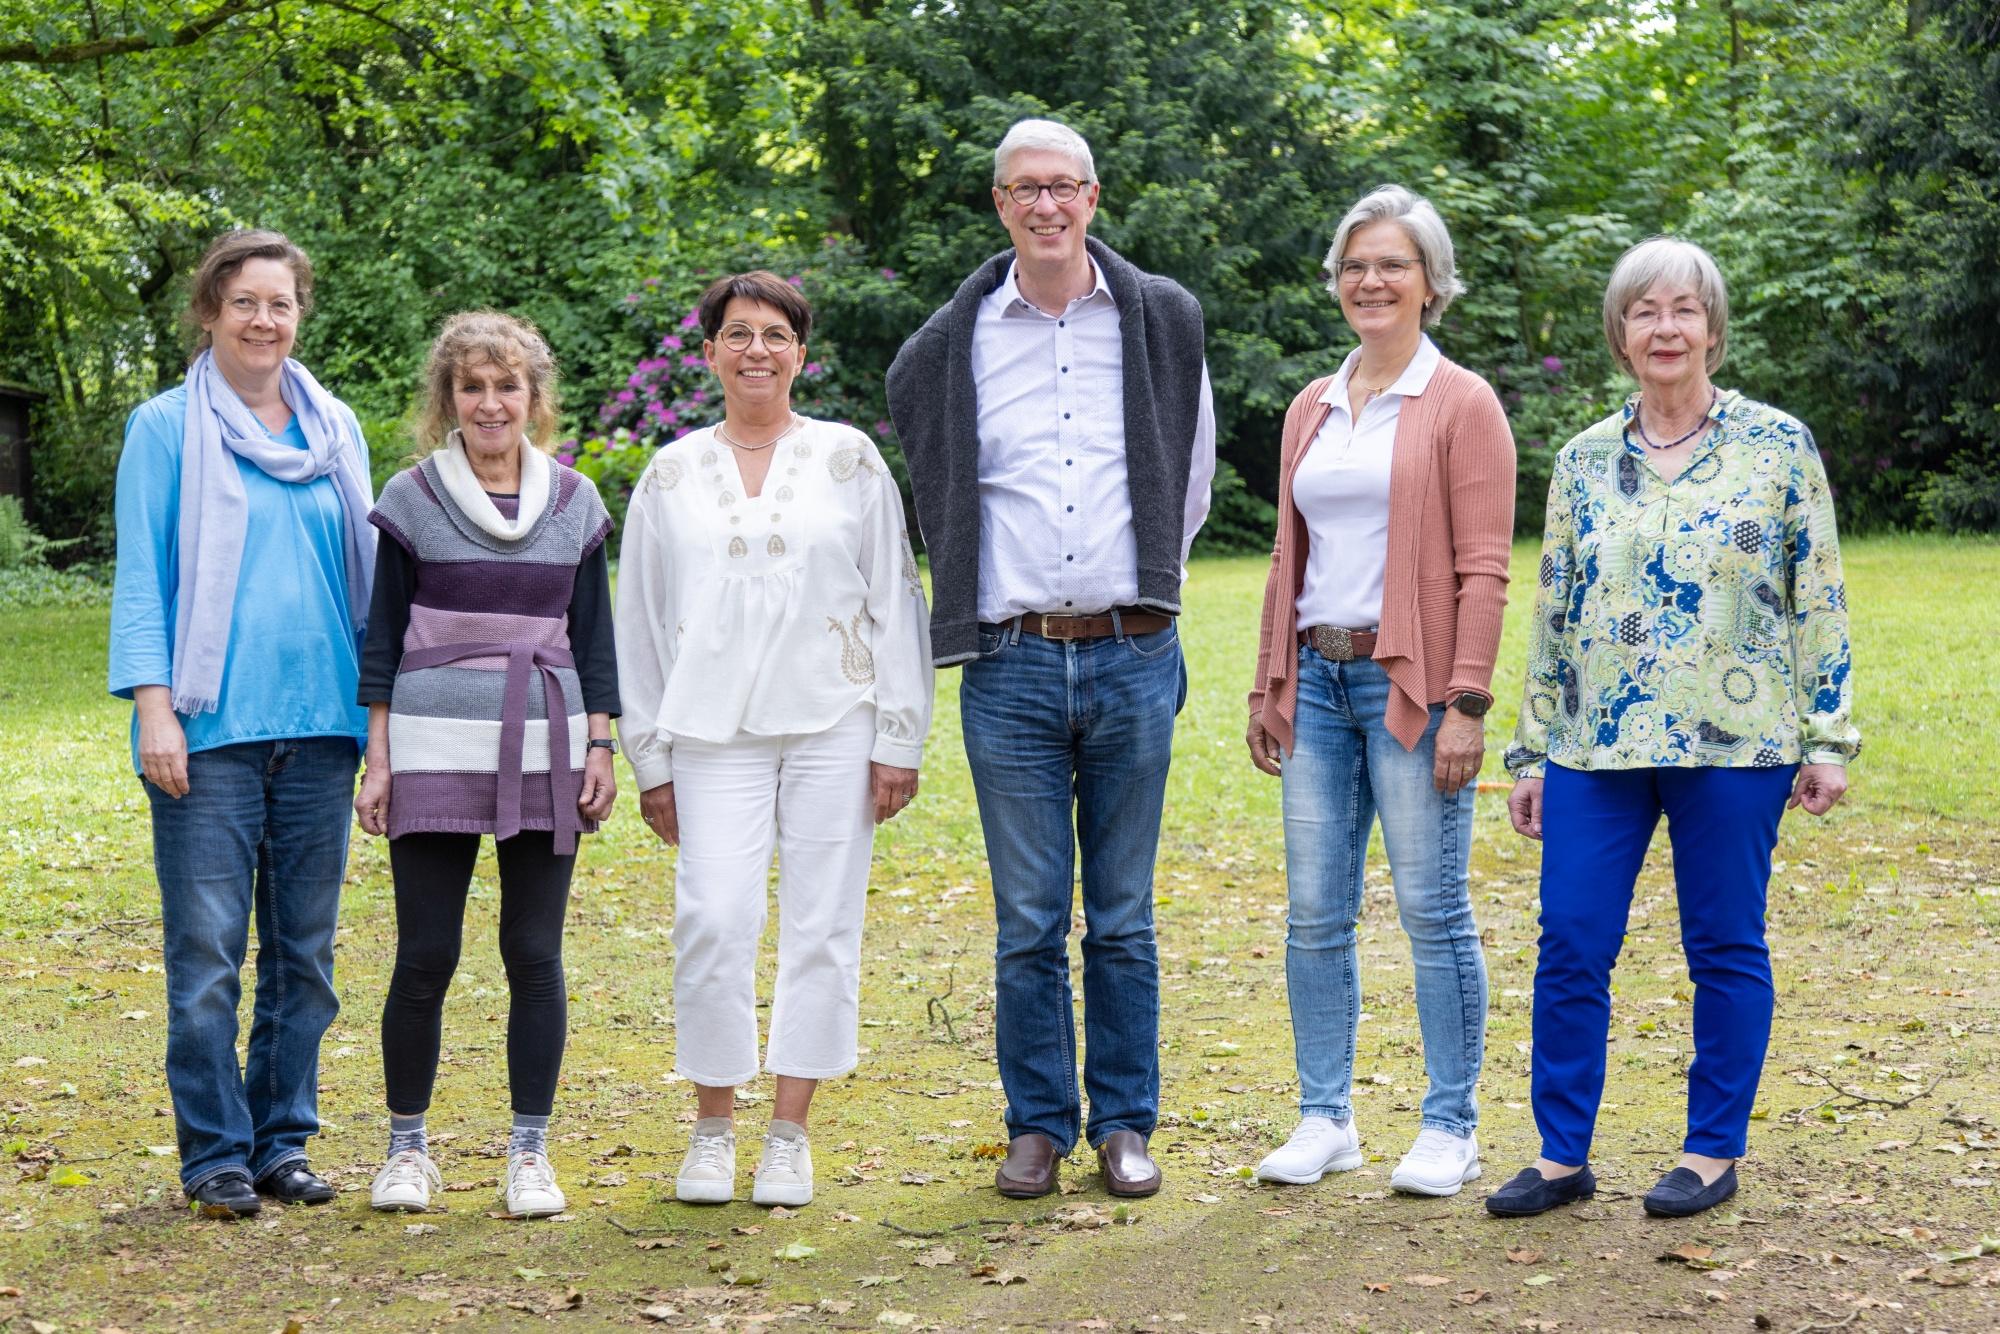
point(1872, 1163)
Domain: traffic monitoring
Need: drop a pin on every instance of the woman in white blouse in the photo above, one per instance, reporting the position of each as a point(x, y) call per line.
point(773, 637)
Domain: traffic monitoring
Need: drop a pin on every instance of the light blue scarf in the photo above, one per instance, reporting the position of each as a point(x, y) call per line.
point(215, 512)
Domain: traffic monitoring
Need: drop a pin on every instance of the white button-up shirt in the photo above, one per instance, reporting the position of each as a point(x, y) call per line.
point(1055, 505)
point(1341, 488)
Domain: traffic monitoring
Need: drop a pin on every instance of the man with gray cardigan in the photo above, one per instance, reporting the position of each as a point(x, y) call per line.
point(1060, 435)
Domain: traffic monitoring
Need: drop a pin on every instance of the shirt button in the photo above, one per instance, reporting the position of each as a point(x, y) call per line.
point(1069, 463)
point(1068, 604)
point(1065, 416)
point(1062, 324)
point(1065, 370)
point(1069, 558)
point(1070, 508)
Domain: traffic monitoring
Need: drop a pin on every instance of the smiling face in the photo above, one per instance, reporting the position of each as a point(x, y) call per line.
point(253, 332)
point(1045, 232)
point(1667, 337)
point(756, 377)
point(493, 402)
point(1375, 306)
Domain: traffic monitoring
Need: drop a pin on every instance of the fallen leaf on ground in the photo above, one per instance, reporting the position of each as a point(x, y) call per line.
point(1525, 1255)
point(1003, 1278)
point(419, 1229)
point(1376, 1287)
point(660, 1311)
point(655, 1243)
point(1472, 1296)
point(916, 1178)
point(797, 1250)
point(896, 1318)
point(877, 1280)
point(1537, 1280)
point(934, 1257)
point(1425, 1280)
point(834, 1305)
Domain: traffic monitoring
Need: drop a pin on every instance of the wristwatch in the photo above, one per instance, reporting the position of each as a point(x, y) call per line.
point(604, 743)
point(1471, 705)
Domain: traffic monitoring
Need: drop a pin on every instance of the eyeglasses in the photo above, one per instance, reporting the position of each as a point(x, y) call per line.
point(738, 337)
point(1688, 313)
point(1392, 270)
point(1027, 193)
point(245, 308)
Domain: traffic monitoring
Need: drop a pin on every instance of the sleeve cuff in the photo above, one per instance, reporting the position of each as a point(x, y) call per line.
point(1839, 757)
point(896, 752)
point(650, 771)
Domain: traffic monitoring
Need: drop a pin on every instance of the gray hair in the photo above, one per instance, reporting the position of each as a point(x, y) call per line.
point(1427, 232)
point(1665, 259)
point(1051, 135)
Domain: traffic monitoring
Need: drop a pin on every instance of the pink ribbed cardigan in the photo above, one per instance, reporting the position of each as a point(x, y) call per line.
point(1451, 522)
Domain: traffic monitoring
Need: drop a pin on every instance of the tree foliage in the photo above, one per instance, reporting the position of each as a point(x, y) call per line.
point(1840, 157)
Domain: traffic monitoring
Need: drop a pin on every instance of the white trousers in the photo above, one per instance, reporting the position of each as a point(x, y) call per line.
point(809, 796)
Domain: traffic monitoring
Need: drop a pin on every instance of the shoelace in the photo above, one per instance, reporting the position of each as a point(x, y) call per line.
point(779, 1155)
point(1433, 1149)
point(709, 1153)
point(409, 1168)
point(1310, 1136)
point(533, 1172)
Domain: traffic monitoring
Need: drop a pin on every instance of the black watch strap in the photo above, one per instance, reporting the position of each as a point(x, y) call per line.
point(604, 743)
point(1471, 705)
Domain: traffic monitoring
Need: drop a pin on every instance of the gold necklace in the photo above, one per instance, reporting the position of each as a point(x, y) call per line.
point(724, 437)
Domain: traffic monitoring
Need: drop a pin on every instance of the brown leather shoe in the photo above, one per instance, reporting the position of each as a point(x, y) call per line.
point(1030, 1169)
point(1128, 1169)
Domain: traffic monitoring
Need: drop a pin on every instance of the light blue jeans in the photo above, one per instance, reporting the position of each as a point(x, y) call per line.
point(1344, 770)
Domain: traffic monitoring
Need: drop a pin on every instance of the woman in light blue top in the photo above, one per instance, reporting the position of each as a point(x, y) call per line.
point(244, 558)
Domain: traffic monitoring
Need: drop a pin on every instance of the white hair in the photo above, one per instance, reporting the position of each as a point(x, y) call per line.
point(1665, 259)
point(1427, 232)
point(1050, 135)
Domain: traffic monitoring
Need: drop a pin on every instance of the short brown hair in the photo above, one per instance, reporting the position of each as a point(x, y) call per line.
point(756, 285)
point(469, 338)
point(225, 258)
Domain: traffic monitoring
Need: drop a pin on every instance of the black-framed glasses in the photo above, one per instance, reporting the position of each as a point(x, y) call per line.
point(1027, 193)
point(1390, 270)
point(738, 337)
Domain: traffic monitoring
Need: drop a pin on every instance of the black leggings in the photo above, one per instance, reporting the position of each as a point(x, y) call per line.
point(432, 873)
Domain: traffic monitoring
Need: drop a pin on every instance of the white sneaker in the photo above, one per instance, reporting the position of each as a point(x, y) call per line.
point(531, 1187)
point(708, 1173)
point(1320, 1145)
point(405, 1183)
point(785, 1174)
point(1437, 1164)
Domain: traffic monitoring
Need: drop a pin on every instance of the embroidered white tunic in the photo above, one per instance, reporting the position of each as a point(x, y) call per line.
point(769, 615)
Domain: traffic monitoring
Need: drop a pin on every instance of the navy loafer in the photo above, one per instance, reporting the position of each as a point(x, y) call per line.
point(1529, 1193)
point(1680, 1193)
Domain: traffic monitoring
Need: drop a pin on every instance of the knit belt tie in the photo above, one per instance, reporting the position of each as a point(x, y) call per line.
point(522, 661)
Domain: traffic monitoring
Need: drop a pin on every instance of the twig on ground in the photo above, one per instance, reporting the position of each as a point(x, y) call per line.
point(1827, 1323)
point(1853, 1099)
point(935, 1007)
point(642, 1231)
point(936, 1233)
point(118, 924)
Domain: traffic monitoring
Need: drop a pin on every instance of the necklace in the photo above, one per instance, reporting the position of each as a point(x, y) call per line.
point(1700, 424)
point(724, 437)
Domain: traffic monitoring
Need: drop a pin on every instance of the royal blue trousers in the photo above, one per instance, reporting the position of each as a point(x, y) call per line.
point(1723, 825)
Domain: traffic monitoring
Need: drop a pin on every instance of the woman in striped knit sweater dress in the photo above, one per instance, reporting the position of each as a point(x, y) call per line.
point(491, 680)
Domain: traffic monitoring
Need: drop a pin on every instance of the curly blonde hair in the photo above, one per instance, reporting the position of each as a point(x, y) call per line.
point(475, 336)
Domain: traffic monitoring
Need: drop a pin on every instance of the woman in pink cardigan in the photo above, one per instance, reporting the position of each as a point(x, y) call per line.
point(1381, 621)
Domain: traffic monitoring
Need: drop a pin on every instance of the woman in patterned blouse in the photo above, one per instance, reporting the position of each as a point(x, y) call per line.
point(1689, 657)
point(778, 649)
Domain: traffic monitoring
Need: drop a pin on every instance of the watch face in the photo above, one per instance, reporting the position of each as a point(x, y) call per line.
point(1472, 706)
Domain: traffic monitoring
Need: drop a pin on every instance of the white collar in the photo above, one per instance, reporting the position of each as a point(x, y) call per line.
point(462, 484)
point(1416, 376)
point(1007, 298)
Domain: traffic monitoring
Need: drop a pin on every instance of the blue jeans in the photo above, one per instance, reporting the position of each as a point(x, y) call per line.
point(263, 831)
point(1062, 731)
point(1344, 770)
point(1723, 825)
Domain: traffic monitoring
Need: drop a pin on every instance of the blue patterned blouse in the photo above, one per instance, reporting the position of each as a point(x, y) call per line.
point(1701, 621)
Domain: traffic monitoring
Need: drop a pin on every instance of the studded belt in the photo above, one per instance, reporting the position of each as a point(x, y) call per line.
point(1338, 645)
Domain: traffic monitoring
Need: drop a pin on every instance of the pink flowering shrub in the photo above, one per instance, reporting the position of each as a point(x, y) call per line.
point(670, 391)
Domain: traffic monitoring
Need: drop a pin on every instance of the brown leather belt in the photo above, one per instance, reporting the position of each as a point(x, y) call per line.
point(1057, 626)
point(1338, 645)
